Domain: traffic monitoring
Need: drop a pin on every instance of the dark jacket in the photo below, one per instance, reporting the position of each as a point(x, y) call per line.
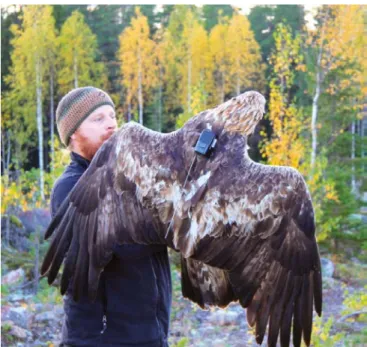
point(135, 290)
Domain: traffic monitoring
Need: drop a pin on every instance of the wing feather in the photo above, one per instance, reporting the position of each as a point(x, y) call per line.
point(297, 322)
point(69, 264)
point(63, 242)
point(205, 285)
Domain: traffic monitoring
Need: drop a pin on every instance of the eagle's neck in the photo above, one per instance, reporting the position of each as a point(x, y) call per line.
point(238, 115)
point(230, 149)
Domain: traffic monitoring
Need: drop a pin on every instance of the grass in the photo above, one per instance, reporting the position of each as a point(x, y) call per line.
point(351, 272)
point(6, 336)
point(48, 294)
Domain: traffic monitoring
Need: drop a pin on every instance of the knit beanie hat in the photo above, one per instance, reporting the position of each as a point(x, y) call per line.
point(76, 106)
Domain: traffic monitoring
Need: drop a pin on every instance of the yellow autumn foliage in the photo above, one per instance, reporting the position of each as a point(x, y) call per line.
point(24, 193)
point(195, 61)
point(341, 43)
point(221, 59)
point(246, 69)
point(77, 51)
point(138, 58)
point(287, 146)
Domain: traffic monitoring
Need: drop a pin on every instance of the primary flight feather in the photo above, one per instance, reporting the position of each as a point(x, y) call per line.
point(245, 231)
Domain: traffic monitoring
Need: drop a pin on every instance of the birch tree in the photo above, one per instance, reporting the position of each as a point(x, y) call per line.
point(138, 61)
point(335, 43)
point(285, 147)
point(52, 114)
point(246, 68)
point(174, 47)
point(221, 59)
point(161, 48)
point(30, 62)
point(195, 61)
point(77, 56)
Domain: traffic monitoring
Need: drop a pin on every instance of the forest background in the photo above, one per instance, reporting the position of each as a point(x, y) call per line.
point(164, 64)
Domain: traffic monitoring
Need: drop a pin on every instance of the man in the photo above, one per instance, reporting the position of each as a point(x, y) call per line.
point(133, 304)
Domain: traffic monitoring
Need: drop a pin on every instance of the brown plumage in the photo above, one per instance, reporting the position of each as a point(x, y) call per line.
point(246, 231)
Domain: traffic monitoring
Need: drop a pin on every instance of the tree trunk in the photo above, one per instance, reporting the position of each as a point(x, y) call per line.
point(3, 154)
point(129, 111)
point(52, 119)
point(363, 134)
point(7, 227)
point(222, 89)
point(3, 136)
point(6, 172)
point(314, 124)
point(140, 88)
point(6, 151)
point(39, 126)
point(238, 88)
point(36, 261)
point(75, 71)
point(189, 72)
point(8, 135)
point(315, 110)
point(353, 156)
point(17, 162)
point(160, 100)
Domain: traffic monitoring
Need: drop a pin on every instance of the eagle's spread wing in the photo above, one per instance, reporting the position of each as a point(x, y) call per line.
point(101, 208)
point(246, 231)
point(260, 229)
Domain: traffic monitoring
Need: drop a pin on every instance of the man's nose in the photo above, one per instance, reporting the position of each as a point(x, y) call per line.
point(111, 123)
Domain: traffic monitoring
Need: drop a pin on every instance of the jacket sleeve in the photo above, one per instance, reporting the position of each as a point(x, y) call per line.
point(60, 191)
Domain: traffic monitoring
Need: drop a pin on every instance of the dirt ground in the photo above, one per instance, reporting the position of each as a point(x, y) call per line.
point(190, 325)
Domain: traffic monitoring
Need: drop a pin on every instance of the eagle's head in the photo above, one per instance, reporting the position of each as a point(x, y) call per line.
point(237, 116)
point(242, 113)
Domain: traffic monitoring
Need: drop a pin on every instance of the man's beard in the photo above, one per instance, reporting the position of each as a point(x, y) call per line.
point(90, 148)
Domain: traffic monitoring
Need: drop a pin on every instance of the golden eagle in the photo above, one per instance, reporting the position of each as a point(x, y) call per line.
point(245, 231)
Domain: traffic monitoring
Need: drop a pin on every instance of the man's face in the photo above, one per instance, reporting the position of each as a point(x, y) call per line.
point(94, 131)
